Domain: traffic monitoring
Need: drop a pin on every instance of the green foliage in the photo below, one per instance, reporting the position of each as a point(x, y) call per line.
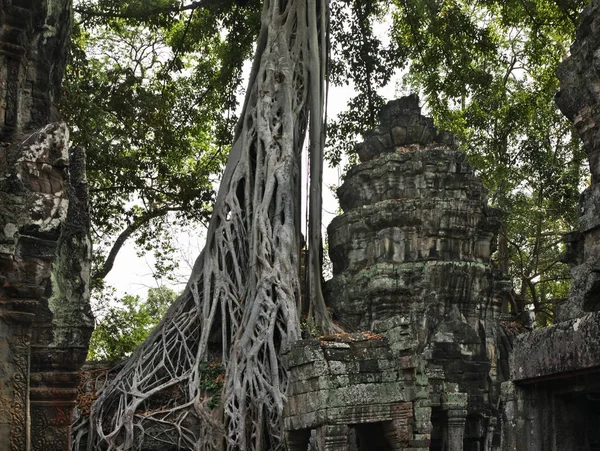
point(212, 377)
point(535, 245)
point(150, 93)
point(126, 323)
point(360, 58)
point(308, 328)
point(486, 70)
point(151, 89)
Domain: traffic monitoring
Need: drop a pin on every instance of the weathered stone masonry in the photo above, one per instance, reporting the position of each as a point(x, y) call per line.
point(411, 262)
point(45, 319)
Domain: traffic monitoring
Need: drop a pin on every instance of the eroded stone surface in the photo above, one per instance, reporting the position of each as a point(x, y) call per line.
point(415, 226)
point(566, 347)
point(411, 262)
point(579, 100)
point(33, 35)
point(45, 318)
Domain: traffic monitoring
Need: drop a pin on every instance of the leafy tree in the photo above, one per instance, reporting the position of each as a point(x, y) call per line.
point(150, 93)
point(242, 300)
point(486, 70)
point(360, 58)
point(127, 322)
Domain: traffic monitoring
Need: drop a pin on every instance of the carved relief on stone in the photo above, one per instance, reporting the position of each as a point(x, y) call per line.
point(48, 427)
point(15, 335)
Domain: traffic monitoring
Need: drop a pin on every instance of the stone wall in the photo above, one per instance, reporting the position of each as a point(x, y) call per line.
point(33, 38)
point(579, 100)
point(566, 347)
point(45, 318)
point(342, 381)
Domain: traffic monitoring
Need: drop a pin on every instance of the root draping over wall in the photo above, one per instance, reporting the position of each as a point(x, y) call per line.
point(241, 303)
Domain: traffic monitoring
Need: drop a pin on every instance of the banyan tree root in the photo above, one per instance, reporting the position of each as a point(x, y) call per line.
point(241, 302)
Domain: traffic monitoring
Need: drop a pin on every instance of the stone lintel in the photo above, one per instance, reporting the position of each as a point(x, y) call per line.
point(42, 395)
point(570, 346)
point(20, 305)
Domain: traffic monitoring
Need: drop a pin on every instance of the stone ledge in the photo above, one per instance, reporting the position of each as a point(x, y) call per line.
point(563, 348)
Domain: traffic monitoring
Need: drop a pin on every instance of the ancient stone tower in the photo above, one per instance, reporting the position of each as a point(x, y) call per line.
point(45, 318)
point(413, 284)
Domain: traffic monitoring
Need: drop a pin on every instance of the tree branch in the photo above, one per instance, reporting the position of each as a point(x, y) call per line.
point(146, 14)
point(102, 272)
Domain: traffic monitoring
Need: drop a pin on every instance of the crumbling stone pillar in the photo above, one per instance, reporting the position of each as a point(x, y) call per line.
point(422, 413)
point(456, 409)
point(45, 250)
point(510, 414)
point(333, 437)
point(44, 282)
point(399, 431)
point(411, 263)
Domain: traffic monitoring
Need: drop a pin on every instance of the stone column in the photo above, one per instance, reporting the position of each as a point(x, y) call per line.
point(489, 437)
point(399, 431)
point(333, 437)
point(15, 337)
point(422, 413)
point(456, 409)
point(53, 397)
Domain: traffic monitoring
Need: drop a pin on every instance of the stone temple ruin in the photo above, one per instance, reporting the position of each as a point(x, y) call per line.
point(433, 363)
point(45, 318)
point(411, 265)
point(430, 361)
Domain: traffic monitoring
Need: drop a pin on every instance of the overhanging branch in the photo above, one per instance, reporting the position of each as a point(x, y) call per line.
point(148, 13)
point(138, 222)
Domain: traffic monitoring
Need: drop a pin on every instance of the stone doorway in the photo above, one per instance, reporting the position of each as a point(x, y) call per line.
point(368, 437)
point(438, 429)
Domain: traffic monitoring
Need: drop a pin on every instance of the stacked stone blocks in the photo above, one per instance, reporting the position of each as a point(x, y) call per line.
point(411, 262)
point(45, 318)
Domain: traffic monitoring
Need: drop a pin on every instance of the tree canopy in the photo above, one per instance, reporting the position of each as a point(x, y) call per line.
point(126, 323)
point(150, 92)
point(488, 71)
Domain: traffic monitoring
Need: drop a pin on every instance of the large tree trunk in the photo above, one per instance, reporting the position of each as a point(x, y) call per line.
point(241, 303)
